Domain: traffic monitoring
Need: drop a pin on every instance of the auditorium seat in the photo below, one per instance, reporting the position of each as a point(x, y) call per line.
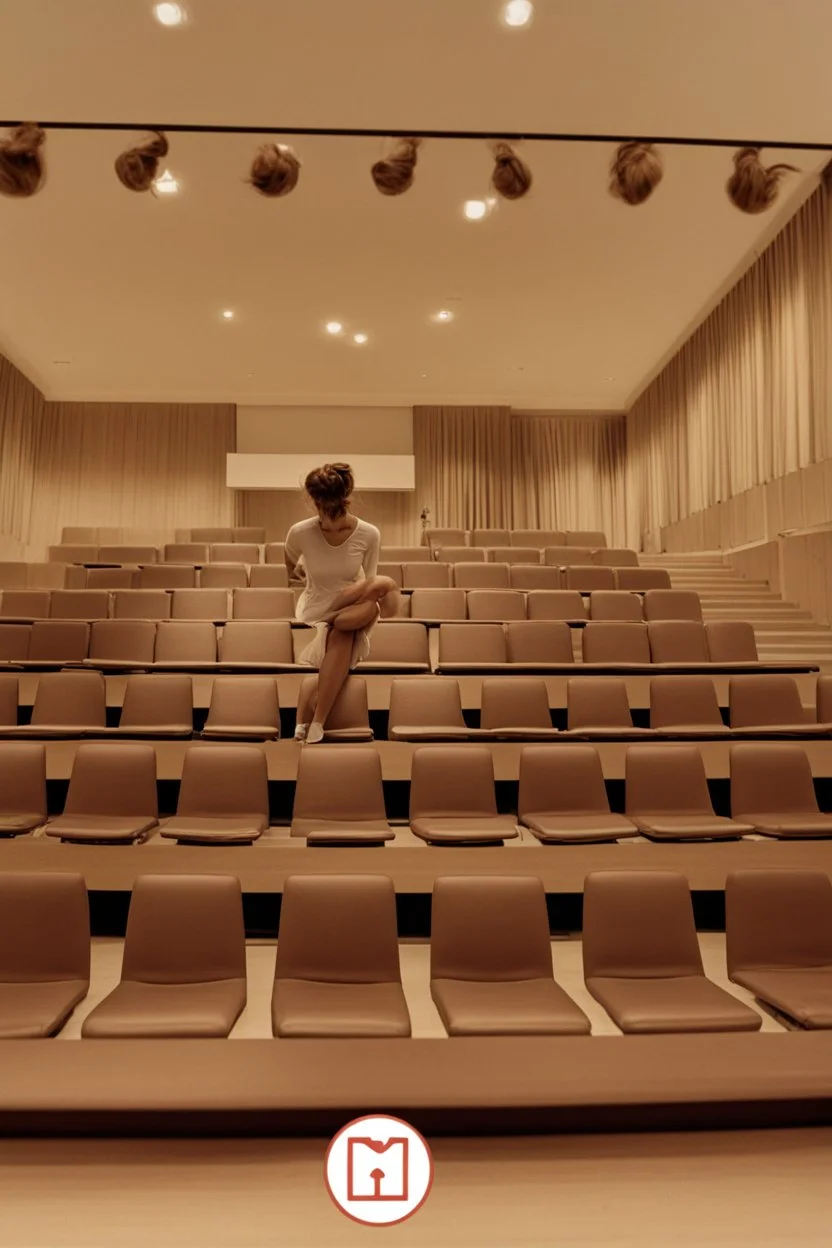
point(349, 719)
point(516, 707)
point(426, 710)
point(667, 796)
point(223, 797)
point(435, 605)
point(393, 570)
point(142, 604)
point(481, 575)
point(25, 604)
point(767, 705)
point(639, 580)
point(533, 576)
point(248, 533)
point(14, 643)
point(565, 556)
point(823, 700)
point(234, 552)
point(778, 940)
point(243, 708)
point(562, 798)
point(111, 795)
point(598, 706)
point(678, 642)
point(586, 578)
point(538, 538)
point(79, 604)
point(224, 576)
point(112, 578)
point(54, 642)
point(9, 694)
point(491, 960)
point(642, 960)
point(79, 533)
point(44, 951)
point(445, 537)
point(339, 797)
point(183, 974)
point(210, 535)
point(615, 643)
point(202, 604)
point(556, 604)
point(274, 553)
point(615, 557)
point(458, 554)
point(685, 706)
point(268, 576)
point(585, 537)
point(186, 552)
point(184, 645)
point(452, 798)
point(489, 537)
point(74, 552)
point(515, 555)
point(263, 604)
point(397, 647)
point(615, 604)
point(672, 604)
point(337, 973)
point(121, 644)
point(471, 648)
point(22, 787)
point(496, 604)
point(167, 576)
point(127, 554)
point(67, 704)
point(773, 790)
point(426, 575)
point(405, 554)
point(731, 641)
point(157, 706)
point(538, 646)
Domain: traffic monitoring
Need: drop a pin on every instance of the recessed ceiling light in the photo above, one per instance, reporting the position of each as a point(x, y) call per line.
point(227, 314)
point(166, 184)
point(334, 327)
point(475, 209)
point(170, 14)
point(517, 13)
point(359, 339)
point(444, 316)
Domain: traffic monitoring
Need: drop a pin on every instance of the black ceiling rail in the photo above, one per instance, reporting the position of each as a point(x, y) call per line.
point(352, 132)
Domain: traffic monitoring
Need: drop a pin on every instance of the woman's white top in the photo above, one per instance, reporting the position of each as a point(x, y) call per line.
point(330, 569)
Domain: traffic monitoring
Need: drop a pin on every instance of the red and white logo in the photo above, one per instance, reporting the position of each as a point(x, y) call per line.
point(378, 1170)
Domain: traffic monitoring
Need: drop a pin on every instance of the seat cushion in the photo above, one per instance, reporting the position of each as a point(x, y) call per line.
point(802, 823)
point(527, 1007)
point(565, 829)
point(681, 1003)
point(14, 823)
point(404, 732)
point(31, 1011)
point(348, 734)
point(802, 993)
point(167, 1011)
point(100, 827)
point(153, 730)
point(692, 730)
point(244, 732)
point(525, 734)
point(693, 827)
point(462, 830)
point(347, 832)
point(303, 1008)
point(218, 830)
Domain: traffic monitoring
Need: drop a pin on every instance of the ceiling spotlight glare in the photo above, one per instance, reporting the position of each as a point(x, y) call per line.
point(334, 327)
point(227, 314)
point(166, 184)
point(444, 316)
point(475, 209)
point(359, 339)
point(170, 14)
point(517, 13)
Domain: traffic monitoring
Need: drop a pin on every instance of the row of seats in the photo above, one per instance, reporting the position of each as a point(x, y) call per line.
point(339, 796)
point(538, 538)
point(149, 604)
point(189, 553)
point(474, 602)
point(555, 556)
point(102, 536)
point(525, 576)
point(187, 576)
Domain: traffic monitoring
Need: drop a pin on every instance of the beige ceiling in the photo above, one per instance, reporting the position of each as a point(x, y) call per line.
point(567, 300)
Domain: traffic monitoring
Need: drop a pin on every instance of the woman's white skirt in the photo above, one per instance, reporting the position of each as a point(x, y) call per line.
point(313, 655)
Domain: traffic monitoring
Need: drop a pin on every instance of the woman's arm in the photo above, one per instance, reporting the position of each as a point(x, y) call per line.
point(291, 555)
point(370, 561)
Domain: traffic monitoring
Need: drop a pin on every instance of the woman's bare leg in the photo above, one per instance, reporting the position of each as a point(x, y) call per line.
point(335, 669)
point(372, 590)
point(307, 701)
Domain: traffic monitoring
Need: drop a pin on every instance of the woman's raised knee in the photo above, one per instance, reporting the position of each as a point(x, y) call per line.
point(359, 616)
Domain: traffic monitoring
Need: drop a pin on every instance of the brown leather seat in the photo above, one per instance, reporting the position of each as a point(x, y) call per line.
point(672, 604)
point(268, 576)
point(263, 604)
point(235, 552)
point(435, 605)
point(22, 787)
point(121, 644)
point(51, 643)
point(471, 648)
point(128, 554)
point(685, 706)
point(769, 705)
point(667, 796)
point(274, 552)
point(639, 580)
point(772, 790)
point(615, 604)
point(556, 604)
point(112, 794)
point(186, 552)
point(339, 798)
point(200, 604)
point(562, 797)
point(496, 604)
point(585, 537)
point(79, 604)
point(452, 798)
point(112, 578)
point(449, 553)
point(141, 604)
point(481, 575)
point(157, 706)
point(491, 960)
point(539, 538)
point(616, 643)
point(25, 604)
point(67, 704)
point(533, 576)
point(731, 641)
point(261, 645)
point(15, 640)
point(212, 534)
point(587, 578)
point(520, 555)
point(539, 645)
point(223, 797)
point(248, 533)
point(397, 647)
point(426, 575)
point(185, 645)
point(224, 576)
point(597, 706)
point(489, 538)
point(243, 708)
point(615, 557)
point(566, 556)
point(349, 719)
point(9, 695)
point(642, 960)
point(674, 642)
point(337, 969)
point(44, 950)
point(184, 968)
point(517, 708)
point(426, 709)
point(167, 576)
point(402, 554)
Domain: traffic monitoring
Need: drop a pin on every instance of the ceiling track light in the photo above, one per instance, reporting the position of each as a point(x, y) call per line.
point(21, 163)
point(170, 14)
point(517, 14)
point(752, 187)
point(275, 170)
point(512, 177)
point(636, 171)
point(137, 167)
point(394, 174)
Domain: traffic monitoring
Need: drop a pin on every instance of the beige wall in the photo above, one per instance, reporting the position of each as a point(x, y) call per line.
point(344, 431)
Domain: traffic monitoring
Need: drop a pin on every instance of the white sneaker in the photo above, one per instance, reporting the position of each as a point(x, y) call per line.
point(315, 733)
point(301, 731)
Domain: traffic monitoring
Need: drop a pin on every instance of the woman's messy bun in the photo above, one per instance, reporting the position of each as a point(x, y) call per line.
point(635, 172)
point(21, 162)
point(275, 170)
point(138, 167)
point(752, 187)
point(394, 175)
point(512, 177)
point(330, 487)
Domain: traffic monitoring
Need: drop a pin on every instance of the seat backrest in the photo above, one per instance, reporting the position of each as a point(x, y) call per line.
point(25, 604)
point(268, 576)
point(448, 780)
point(639, 925)
point(597, 702)
point(615, 604)
point(490, 537)
point(79, 533)
point(472, 643)
point(22, 780)
point(539, 641)
point(426, 575)
point(393, 570)
point(57, 641)
point(44, 926)
point(533, 576)
point(133, 641)
point(774, 777)
point(244, 701)
point(615, 557)
point(405, 554)
point(555, 604)
point(398, 643)
point(565, 556)
point(111, 578)
point(586, 537)
point(128, 554)
point(666, 780)
point(142, 604)
point(211, 535)
point(731, 641)
point(564, 779)
point(113, 778)
point(765, 699)
point(70, 698)
point(823, 700)
point(678, 641)
point(778, 919)
point(234, 552)
point(672, 604)
point(425, 702)
point(263, 604)
point(257, 641)
point(351, 707)
point(274, 552)
point(224, 780)
point(248, 533)
point(481, 575)
point(185, 929)
point(496, 604)
point(489, 928)
point(515, 702)
point(71, 552)
point(224, 576)
point(446, 537)
point(15, 639)
point(200, 604)
point(438, 604)
point(540, 538)
point(186, 552)
point(615, 641)
point(13, 574)
point(183, 641)
point(642, 579)
point(338, 929)
point(79, 604)
point(167, 576)
point(458, 554)
point(520, 555)
point(161, 700)
point(339, 784)
point(688, 701)
point(588, 577)
point(9, 694)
